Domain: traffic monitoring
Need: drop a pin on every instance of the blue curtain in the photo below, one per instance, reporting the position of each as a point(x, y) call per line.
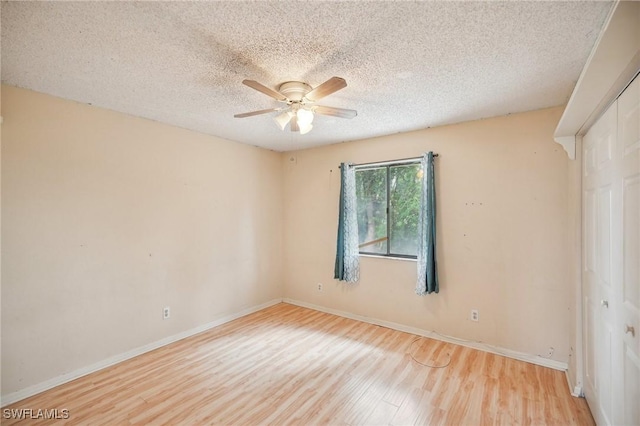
point(347, 266)
point(338, 272)
point(427, 264)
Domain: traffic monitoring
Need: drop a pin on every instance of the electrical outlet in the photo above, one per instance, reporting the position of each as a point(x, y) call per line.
point(550, 352)
point(319, 286)
point(166, 312)
point(475, 315)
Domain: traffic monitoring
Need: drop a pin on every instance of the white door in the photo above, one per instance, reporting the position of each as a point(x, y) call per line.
point(598, 303)
point(629, 314)
point(611, 262)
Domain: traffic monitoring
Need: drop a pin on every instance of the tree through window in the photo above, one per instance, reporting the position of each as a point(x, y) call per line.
point(388, 207)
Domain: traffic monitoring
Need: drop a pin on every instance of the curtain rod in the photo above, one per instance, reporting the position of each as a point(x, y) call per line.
point(382, 163)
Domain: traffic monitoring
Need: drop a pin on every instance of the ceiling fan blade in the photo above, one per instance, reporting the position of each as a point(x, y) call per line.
point(252, 113)
point(264, 89)
point(294, 124)
point(335, 112)
point(328, 87)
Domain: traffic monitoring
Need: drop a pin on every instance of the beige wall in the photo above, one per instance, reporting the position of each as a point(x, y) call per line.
point(107, 218)
point(503, 241)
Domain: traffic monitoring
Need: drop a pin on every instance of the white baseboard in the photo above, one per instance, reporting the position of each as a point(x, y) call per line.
point(56, 381)
point(533, 359)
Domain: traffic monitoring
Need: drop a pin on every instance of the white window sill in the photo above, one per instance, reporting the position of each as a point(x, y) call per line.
point(389, 257)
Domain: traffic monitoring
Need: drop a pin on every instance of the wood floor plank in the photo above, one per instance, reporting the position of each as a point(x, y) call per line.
point(287, 365)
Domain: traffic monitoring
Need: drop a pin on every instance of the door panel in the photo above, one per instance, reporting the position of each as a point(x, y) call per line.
point(603, 233)
point(605, 372)
point(629, 315)
point(629, 113)
point(589, 218)
point(589, 159)
point(631, 384)
point(631, 246)
point(598, 200)
point(590, 347)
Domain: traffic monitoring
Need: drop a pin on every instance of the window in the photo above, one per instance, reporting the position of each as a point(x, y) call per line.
point(388, 207)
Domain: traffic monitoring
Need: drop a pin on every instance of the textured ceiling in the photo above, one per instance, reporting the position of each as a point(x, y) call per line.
point(407, 65)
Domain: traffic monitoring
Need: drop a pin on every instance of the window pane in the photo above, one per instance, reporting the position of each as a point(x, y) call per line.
point(371, 191)
point(404, 193)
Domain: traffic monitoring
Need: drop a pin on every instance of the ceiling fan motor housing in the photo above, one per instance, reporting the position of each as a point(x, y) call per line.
point(294, 90)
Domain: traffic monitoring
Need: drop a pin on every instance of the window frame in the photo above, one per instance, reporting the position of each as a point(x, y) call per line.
point(387, 165)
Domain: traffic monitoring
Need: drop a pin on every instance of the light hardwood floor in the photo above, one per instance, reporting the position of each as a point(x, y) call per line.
point(291, 365)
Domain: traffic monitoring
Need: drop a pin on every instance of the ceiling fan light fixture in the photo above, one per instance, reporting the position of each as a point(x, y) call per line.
point(305, 116)
point(305, 128)
point(283, 119)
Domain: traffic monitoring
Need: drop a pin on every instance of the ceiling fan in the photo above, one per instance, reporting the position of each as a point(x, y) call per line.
point(300, 99)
